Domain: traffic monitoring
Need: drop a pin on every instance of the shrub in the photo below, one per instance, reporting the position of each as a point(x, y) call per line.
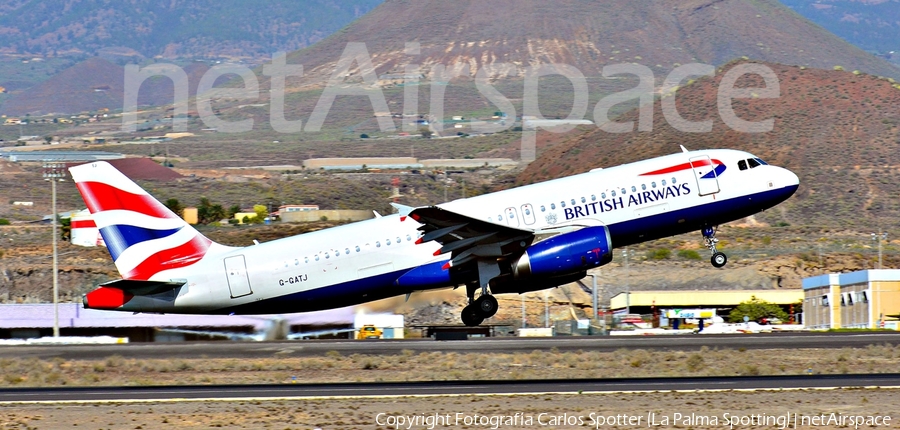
point(659, 254)
point(694, 362)
point(363, 136)
point(689, 254)
point(4, 221)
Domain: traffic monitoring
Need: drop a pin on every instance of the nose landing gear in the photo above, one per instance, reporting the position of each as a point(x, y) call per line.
point(718, 259)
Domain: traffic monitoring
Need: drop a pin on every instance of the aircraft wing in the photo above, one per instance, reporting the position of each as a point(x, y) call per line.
point(468, 239)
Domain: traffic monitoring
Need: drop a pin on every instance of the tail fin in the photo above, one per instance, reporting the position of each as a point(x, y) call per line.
point(143, 236)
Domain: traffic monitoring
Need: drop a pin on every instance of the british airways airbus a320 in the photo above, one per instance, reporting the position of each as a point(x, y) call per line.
point(523, 239)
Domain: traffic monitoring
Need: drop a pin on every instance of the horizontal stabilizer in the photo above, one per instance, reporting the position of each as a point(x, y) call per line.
point(143, 288)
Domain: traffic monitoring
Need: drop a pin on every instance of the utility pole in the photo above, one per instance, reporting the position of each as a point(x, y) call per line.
point(54, 172)
point(627, 283)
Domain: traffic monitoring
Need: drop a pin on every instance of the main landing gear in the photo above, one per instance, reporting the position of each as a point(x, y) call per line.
point(718, 259)
point(478, 310)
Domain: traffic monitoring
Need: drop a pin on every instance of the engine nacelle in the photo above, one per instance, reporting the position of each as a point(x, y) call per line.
point(564, 254)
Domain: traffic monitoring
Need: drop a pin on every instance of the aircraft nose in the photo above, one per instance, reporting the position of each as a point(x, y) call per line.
point(790, 178)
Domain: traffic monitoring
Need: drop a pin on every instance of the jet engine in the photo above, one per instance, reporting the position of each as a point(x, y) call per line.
point(564, 254)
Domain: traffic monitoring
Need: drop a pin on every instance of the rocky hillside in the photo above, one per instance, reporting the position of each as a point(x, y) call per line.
point(174, 29)
point(92, 85)
point(873, 25)
point(587, 35)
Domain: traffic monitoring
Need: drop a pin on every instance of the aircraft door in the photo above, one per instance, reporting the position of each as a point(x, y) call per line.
point(512, 218)
point(528, 214)
point(705, 173)
point(238, 279)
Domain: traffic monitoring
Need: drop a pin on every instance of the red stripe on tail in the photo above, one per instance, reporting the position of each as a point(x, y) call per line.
point(102, 197)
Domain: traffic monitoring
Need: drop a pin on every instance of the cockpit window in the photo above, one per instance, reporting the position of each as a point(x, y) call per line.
point(753, 163)
point(742, 165)
point(761, 161)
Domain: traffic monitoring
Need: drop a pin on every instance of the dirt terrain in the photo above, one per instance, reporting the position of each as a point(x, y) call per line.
point(745, 410)
point(682, 409)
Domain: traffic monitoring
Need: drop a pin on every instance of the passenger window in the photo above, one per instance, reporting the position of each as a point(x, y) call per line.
point(399, 240)
point(378, 244)
point(752, 163)
point(742, 165)
point(664, 182)
point(552, 205)
point(327, 255)
point(633, 189)
point(543, 209)
point(593, 197)
point(643, 186)
point(603, 196)
point(562, 204)
point(673, 180)
point(306, 260)
point(613, 193)
point(317, 258)
point(527, 211)
point(389, 242)
point(347, 251)
point(623, 191)
point(573, 202)
point(512, 215)
point(296, 262)
point(357, 248)
point(408, 238)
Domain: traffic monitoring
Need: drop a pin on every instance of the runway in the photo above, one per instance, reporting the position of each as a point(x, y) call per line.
point(307, 348)
point(440, 388)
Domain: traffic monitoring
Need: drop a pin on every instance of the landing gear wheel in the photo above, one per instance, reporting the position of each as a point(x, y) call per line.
point(487, 305)
point(718, 259)
point(471, 316)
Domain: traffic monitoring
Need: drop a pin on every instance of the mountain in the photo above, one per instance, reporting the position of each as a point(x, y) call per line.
point(186, 29)
point(839, 131)
point(586, 34)
point(91, 85)
point(873, 25)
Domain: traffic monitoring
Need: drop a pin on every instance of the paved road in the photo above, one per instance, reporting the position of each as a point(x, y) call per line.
point(441, 388)
point(226, 349)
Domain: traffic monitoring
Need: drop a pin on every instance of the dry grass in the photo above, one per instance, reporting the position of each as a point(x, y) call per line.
point(409, 366)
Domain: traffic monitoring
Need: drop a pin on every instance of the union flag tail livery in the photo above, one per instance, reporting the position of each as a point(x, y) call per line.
point(145, 238)
point(523, 239)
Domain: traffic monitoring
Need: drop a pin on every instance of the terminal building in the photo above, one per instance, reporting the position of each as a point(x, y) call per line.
point(863, 299)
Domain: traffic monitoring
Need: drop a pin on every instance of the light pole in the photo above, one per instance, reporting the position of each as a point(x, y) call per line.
point(881, 236)
point(53, 172)
point(594, 297)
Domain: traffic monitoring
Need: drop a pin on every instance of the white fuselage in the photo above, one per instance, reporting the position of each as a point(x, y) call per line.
point(360, 262)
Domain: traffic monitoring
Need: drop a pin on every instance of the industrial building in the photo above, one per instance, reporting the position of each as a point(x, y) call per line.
point(863, 299)
point(648, 302)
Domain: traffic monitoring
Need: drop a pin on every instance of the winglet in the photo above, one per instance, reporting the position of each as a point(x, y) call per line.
point(403, 210)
